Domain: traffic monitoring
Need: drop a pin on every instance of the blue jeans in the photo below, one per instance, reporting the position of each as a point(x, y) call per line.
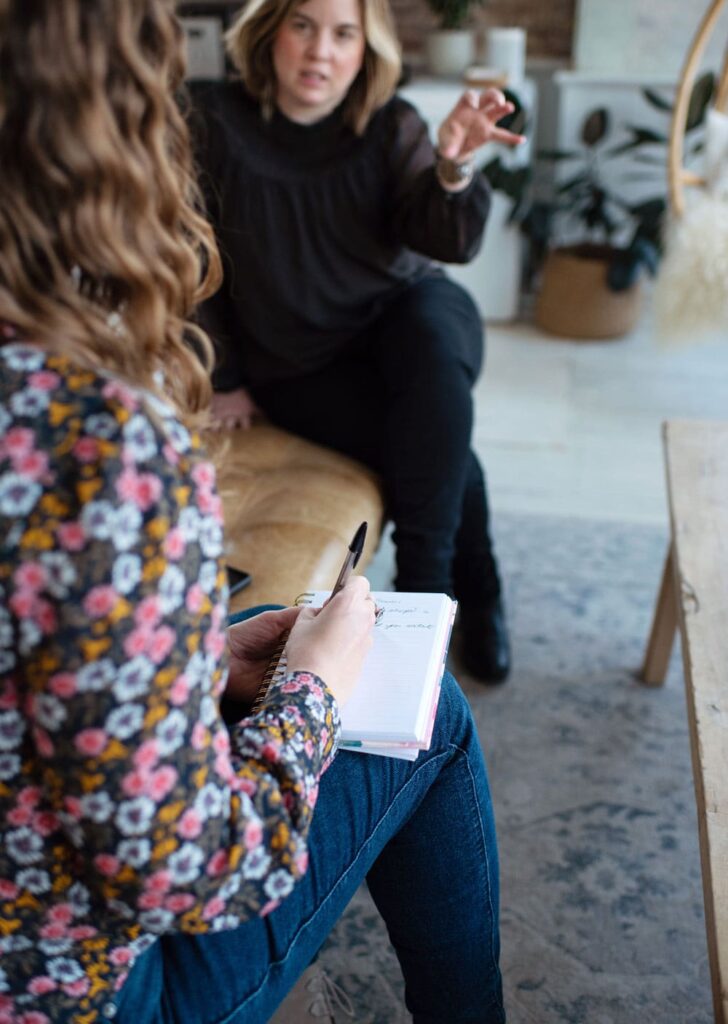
point(422, 834)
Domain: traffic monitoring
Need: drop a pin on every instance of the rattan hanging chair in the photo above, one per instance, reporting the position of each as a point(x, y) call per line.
point(691, 292)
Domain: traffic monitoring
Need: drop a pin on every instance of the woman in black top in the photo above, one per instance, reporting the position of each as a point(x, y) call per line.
point(330, 206)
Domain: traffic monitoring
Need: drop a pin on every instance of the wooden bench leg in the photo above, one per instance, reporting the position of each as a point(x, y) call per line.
point(664, 626)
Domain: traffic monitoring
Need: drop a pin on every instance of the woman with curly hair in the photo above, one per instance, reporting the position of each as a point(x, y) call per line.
point(331, 209)
point(158, 863)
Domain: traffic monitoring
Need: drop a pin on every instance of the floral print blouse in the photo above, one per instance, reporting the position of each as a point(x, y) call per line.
point(127, 807)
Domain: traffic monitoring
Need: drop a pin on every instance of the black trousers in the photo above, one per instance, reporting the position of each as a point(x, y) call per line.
point(399, 400)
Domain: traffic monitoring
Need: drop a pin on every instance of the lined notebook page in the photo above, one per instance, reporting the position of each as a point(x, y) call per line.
point(392, 701)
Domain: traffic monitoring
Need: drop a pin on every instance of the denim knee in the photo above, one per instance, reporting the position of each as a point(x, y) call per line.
point(454, 723)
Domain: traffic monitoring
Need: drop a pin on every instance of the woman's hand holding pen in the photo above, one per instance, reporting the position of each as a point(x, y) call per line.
point(251, 645)
point(333, 641)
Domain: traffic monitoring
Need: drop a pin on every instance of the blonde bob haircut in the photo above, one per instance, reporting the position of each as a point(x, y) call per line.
point(250, 46)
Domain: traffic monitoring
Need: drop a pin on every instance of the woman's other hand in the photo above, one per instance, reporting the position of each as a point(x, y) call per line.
point(251, 645)
point(231, 409)
point(473, 122)
point(333, 641)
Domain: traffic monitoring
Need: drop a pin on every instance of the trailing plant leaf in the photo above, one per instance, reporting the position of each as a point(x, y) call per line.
point(595, 127)
point(657, 101)
point(640, 137)
point(700, 97)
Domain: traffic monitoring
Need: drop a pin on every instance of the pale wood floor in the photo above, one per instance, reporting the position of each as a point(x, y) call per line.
point(573, 428)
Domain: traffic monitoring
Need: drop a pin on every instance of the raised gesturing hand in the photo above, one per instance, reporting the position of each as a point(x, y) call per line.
point(472, 122)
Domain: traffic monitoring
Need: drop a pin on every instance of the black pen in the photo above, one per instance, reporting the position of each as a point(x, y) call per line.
point(352, 557)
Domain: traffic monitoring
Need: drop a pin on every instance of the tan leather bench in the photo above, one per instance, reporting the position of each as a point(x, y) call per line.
point(694, 596)
point(291, 510)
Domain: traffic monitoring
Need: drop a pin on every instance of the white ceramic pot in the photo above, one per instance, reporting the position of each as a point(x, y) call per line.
point(449, 51)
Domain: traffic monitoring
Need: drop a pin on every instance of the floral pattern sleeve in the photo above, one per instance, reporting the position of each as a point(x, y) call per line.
point(128, 808)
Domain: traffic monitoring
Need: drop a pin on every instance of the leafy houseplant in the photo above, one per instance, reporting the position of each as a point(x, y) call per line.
point(589, 287)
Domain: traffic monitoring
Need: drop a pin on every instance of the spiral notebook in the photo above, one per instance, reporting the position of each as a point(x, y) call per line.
point(392, 709)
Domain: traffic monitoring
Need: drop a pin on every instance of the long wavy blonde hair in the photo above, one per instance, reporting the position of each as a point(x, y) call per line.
point(103, 251)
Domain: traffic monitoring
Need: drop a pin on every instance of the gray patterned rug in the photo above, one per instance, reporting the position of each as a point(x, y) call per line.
point(602, 917)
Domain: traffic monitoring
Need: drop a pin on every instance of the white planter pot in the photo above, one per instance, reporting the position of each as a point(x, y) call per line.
point(450, 51)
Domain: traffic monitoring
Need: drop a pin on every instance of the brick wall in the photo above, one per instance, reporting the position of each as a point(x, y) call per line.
point(550, 25)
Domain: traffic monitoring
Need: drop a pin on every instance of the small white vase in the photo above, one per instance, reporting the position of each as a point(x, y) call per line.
point(449, 51)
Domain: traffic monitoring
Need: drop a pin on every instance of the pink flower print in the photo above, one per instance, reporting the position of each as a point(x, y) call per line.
point(301, 862)
point(40, 985)
point(161, 782)
point(123, 394)
point(221, 741)
point(194, 599)
point(309, 749)
point(215, 642)
point(141, 489)
point(77, 988)
point(148, 612)
point(223, 768)
point(199, 738)
point(171, 454)
point(23, 602)
point(81, 932)
point(100, 601)
point(119, 983)
point(217, 864)
point(20, 816)
point(175, 544)
point(43, 742)
point(121, 955)
point(253, 835)
point(161, 643)
point(213, 908)
point(29, 796)
point(73, 807)
point(71, 536)
point(179, 691)
point(33, 465)
point(106, 864)
point(269, 907)
point(178, 902)
point(9, 696)
point(45, 823)
point(45, 616)
point(32, 1017)
point(138, 641)
point(18, 441)
point(61, 913)
point(160, 881)
point(44, 380)
point(208, 502)
point(30, 577)
point(203, 474)
point(135, 783)
point(150, 900)
point(91, 742)
point(63, 684)
point(271, 752)
point(56, 930)
point(147, 755)
point(8, 889)
point(190, 825)
point(86, 449)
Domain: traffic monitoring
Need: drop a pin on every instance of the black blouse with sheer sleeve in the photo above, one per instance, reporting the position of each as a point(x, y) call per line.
point(319, 228)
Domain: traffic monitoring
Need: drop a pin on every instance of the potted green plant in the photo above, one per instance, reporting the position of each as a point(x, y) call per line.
point(590, 286)
point(450, 48)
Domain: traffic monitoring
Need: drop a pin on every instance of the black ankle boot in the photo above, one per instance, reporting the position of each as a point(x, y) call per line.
point(485, 650)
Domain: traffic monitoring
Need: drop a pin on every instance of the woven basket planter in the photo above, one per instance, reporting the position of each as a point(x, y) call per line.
point(575, 300)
